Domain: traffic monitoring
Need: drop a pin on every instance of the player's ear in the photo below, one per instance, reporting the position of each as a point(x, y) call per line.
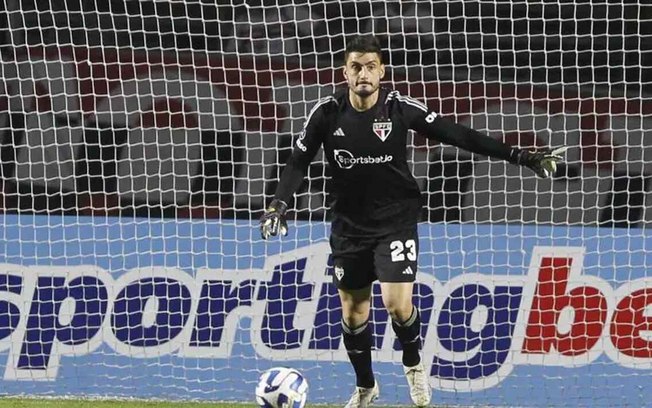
point(382, 71)
point(344, 72)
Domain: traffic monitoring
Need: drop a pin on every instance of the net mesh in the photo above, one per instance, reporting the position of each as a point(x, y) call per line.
point(169, 111)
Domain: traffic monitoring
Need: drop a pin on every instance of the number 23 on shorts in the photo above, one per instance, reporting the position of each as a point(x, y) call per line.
point(402, 250)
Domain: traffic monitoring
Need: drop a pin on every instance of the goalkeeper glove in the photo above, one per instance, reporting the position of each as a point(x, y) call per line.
point(542, 162)
point(273, 220)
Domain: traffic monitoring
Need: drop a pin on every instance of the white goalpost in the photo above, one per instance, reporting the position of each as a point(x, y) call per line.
point(140, 142)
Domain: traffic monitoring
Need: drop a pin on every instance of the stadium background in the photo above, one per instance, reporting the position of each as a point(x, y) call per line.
point(580, 69)
point(177, 110)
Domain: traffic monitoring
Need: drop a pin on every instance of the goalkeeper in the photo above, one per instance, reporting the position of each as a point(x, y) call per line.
point(377, 203)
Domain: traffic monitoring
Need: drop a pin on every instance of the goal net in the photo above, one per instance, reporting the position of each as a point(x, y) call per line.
point(140, 142)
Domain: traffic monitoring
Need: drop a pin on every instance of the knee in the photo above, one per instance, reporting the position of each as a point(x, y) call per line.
point(399, 311)
point(355, 314)
point(397, 298)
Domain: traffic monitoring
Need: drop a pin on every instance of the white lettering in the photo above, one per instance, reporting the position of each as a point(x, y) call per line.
point(346, 160)
point(156, 311)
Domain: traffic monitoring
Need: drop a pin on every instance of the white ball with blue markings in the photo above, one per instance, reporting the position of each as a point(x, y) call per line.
point(282, 387)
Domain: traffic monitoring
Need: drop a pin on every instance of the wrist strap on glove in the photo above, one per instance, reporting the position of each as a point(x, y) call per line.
point(278, 206)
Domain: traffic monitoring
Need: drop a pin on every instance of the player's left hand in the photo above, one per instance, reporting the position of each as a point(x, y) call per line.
point(273, 220)
point(542, 162)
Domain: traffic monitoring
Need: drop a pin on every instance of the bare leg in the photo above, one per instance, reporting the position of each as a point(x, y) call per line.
point(355, 306)
point(397, 298)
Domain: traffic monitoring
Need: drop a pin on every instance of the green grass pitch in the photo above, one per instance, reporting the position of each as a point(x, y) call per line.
point(91, 403)
point(12, 402)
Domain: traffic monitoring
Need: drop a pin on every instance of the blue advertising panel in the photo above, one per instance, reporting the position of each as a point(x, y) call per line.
point(180, 309)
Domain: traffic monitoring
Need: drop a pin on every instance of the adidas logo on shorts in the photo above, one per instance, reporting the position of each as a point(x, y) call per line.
point(408, 271)
point(338, 132)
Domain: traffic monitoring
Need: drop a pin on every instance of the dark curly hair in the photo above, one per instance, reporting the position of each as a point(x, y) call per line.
point(364, 44)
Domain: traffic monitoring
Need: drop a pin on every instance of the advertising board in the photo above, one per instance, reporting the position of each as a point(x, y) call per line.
point(513, 315)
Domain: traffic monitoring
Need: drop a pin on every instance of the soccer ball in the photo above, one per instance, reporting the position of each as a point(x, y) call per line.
point(281, 387)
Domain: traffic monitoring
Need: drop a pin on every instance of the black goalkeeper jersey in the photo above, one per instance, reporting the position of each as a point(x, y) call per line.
point(374, 192)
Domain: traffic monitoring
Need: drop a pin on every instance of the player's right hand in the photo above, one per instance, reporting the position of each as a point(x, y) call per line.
point(273, 221)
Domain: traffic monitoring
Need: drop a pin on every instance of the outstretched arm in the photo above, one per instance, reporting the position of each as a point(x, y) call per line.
point(454, 134)
point(273, 220)
point(306, 146)
point(543, 162)
point(292, 177)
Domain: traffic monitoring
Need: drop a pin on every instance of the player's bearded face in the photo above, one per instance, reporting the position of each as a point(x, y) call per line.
point(363, 72)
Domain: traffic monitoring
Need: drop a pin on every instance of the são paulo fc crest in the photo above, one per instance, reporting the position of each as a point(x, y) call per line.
point(382, 129)
point(339, 272)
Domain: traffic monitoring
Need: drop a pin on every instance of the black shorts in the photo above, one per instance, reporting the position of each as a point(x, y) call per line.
point(358, 262)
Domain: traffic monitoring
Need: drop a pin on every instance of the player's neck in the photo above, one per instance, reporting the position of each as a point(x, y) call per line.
point(362, 104)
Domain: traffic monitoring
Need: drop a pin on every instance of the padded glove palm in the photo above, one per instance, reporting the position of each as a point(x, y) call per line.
point(542, 162)
point(273, 221)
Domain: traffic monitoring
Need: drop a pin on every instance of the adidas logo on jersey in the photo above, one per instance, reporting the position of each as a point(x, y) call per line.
point(338, 132)
point(408, 271)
